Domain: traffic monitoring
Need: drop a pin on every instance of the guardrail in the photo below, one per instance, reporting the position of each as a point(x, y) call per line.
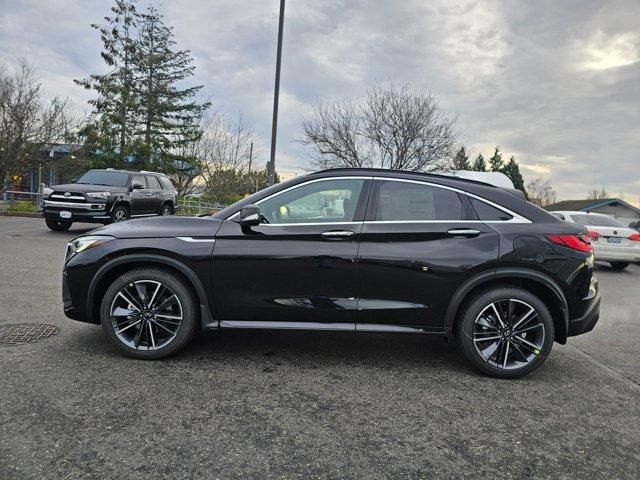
point(190, 206)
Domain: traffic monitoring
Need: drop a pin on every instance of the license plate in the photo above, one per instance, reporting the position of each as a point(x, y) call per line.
point(65, 214)
point(614, 240)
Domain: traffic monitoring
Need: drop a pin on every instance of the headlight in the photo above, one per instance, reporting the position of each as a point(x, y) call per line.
point(101, 195)
point(46, 191)
point(81, 244)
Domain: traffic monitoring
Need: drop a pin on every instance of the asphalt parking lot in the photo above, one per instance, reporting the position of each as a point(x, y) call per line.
point(303, 405)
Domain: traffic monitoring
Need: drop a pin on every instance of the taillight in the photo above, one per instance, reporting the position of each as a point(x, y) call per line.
point(593, 235)
point(635, 237)
point(576, 242)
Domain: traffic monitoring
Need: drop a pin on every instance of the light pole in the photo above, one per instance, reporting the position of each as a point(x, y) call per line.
point(276, 96)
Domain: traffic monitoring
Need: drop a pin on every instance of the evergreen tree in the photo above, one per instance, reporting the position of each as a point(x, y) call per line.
point(167, 115)
point(115, 106)
point(512, 170)
point(495, 162)
point(479, 165)
point(461, 160)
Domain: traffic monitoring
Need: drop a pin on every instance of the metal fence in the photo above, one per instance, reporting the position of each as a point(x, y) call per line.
point(19, 201)
point(194, 206)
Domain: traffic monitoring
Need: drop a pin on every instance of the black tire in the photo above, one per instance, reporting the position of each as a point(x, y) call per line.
point(189, 310)
point(467, 327)
point(58, 225)
point(166, 209)
point(619, 265)
point(120, 213)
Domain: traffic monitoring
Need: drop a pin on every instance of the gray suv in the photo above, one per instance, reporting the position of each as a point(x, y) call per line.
point(106, 196)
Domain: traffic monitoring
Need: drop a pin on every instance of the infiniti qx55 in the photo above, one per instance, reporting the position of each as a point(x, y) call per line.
point(352, 250)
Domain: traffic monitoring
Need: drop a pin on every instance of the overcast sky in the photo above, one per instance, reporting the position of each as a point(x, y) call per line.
point(554, 82)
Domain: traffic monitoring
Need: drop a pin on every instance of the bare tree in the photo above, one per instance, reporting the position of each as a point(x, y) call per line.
point(597, 194)
point(27, 122)
point(390, 127)
point(540, 192)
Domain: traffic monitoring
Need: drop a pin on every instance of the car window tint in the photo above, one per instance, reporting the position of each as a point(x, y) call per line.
point(152, 182)
point(138, 179)
point(488, 212)
point(596, 220)
point(402, 201)
point(166, 183)
point(322, 202)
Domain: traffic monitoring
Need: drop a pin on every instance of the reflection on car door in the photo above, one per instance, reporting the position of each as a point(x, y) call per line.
point(299, 264)
point(418, 244)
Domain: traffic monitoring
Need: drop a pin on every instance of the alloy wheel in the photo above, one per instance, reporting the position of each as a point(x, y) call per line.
point(508, 334)
point(146, 315)
point(166, 211)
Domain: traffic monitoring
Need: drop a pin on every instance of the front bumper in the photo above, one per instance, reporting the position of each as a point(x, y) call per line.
point(90, 212)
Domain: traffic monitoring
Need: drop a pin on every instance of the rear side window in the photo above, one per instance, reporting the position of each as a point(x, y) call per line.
point(403, 201)
point(166, 183)
point(152, 182)
point(488, 212)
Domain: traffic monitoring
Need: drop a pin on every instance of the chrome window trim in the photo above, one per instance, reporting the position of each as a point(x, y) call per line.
point(306, 224)
point(516, 218)
point(302, 185)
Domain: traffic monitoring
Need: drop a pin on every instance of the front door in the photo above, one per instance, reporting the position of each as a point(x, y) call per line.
point(418, 244)
point(298, 265)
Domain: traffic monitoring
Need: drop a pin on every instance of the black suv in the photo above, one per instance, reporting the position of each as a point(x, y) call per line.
point(105, 196)
point(355, 250)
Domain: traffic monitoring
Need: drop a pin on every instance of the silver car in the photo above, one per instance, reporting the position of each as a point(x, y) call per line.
point(612, 241)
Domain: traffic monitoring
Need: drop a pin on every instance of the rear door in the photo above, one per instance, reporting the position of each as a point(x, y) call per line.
point(156, 197)
point(419, 242)
point(139, 197)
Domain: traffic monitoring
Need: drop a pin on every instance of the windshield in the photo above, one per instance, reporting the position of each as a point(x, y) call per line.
point(595, 220)
point(108, 179)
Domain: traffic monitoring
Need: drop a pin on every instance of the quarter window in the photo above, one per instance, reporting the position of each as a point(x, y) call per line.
point(318, 202)
point(166, 183)
point(403, 201)
point(488, 212)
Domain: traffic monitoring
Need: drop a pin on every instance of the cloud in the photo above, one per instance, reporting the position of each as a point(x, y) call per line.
point(555, 84)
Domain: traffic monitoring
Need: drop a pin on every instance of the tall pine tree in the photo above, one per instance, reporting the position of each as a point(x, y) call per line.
point(167, 114)
point(512, 170)
point(115, 106)
point(461, 160)
point(479, 165)
point(495, 162)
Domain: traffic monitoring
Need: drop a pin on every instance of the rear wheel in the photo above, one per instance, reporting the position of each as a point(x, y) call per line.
point(506, 332)
point(166, 210)
point(619, 265)
point(149, 313)
point(58, 225)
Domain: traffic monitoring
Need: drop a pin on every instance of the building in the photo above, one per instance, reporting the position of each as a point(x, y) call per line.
point(614, 207)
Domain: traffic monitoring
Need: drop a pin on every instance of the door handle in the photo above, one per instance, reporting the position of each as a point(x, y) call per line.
point(464, 232)
point(149, 194)
point(337, 234)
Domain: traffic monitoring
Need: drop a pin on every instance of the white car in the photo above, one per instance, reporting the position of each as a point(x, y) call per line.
point(612, 241)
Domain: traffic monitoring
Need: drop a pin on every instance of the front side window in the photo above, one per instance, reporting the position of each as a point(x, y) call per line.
point(403, 201)
point(138, 180)
point(318, 202)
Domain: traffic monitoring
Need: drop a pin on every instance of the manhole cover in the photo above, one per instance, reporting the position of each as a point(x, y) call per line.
point(17, 333)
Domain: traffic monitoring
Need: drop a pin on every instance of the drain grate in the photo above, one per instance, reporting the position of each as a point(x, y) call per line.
point(18, 333)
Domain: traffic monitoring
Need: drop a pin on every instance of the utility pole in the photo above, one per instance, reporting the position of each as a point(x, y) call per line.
point(276, 96)
point(250, 156)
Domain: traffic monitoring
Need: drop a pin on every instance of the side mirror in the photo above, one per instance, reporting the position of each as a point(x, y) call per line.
point(250, 216)
point(136, 186)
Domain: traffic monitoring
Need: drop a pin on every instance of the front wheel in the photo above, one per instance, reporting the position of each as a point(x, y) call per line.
point(506, 332)
point(619, 265)
point(58, 225)
point(149, 313)
point(119, 214)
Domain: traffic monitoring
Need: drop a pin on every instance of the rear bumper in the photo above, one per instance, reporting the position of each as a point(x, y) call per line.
point(586, 322)
point(606, 253)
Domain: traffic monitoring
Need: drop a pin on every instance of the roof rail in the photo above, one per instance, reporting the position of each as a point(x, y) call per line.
point(154, 173)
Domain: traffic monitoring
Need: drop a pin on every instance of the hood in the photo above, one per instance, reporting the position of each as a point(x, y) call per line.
point(86, 187)
point(162, 227)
